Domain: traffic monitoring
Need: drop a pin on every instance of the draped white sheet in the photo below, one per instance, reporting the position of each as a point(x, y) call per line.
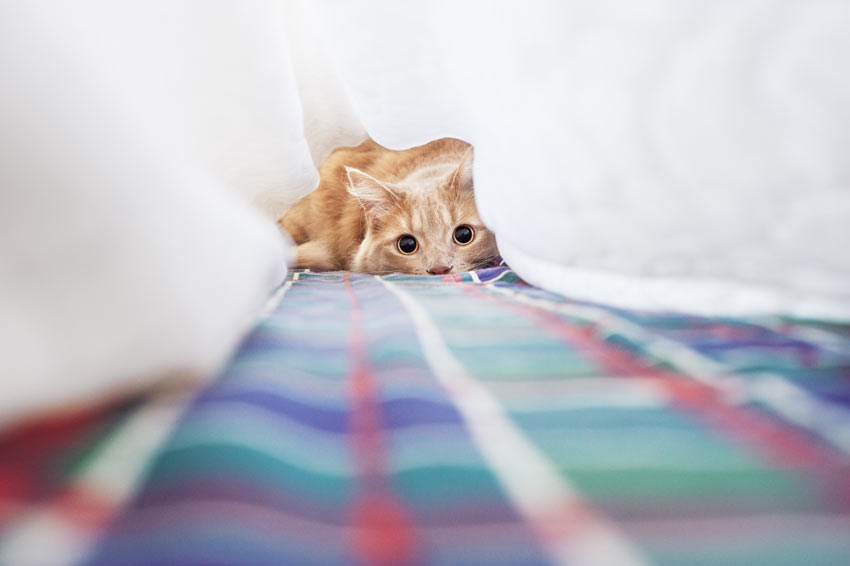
point(664, 154)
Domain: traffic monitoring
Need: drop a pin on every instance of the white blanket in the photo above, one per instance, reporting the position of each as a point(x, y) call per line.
point(664, 154)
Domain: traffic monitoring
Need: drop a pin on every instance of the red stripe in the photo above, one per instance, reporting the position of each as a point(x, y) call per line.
point(777, 441)
point(36, 455)
point(84, 509)
point(384, 534)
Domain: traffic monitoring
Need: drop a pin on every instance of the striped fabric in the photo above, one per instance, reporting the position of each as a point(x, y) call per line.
point(462, 420)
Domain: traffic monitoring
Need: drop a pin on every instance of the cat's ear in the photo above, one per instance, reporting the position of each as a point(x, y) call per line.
point(462, 177)
point(373, 195)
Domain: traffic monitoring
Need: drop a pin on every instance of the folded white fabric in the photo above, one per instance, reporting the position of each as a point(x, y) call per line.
point(131, 145)
point(663, 154)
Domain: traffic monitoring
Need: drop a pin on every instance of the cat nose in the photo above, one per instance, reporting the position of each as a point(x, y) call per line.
point(439, 269)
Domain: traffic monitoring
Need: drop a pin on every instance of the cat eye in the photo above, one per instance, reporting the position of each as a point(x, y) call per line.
point(407, 244)
point(464, 234)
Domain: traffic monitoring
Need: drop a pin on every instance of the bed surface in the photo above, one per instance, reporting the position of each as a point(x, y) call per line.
point(465, 420)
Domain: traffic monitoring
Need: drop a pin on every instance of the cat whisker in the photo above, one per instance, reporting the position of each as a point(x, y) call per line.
point(481, 262)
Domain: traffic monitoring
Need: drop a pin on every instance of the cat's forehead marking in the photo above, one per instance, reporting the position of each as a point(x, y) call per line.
point(427, 215)
point(427, 176)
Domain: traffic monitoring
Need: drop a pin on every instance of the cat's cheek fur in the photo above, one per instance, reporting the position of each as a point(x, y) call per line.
point(315, 255)
point(378, 256)
point(370, 258)
point(361, 257)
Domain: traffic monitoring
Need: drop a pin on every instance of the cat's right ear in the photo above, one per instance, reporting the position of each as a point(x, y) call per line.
point(373, 195)
point(462, 177)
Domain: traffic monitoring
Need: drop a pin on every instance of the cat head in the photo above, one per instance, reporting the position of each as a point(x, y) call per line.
point(425, 224)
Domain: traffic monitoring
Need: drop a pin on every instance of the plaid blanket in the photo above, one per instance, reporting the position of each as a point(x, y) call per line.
point(458, 420)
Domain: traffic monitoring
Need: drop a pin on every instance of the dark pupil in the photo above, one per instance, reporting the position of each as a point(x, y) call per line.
point(463, 234)
point(407, 244)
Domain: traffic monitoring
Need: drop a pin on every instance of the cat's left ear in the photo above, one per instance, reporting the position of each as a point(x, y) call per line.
point(462, 178)
point(373, 195)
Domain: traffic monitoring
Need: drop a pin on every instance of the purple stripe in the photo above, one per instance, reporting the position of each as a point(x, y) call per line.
point(395, 413)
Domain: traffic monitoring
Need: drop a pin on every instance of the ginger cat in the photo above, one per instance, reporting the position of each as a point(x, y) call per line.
point(382, 211)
